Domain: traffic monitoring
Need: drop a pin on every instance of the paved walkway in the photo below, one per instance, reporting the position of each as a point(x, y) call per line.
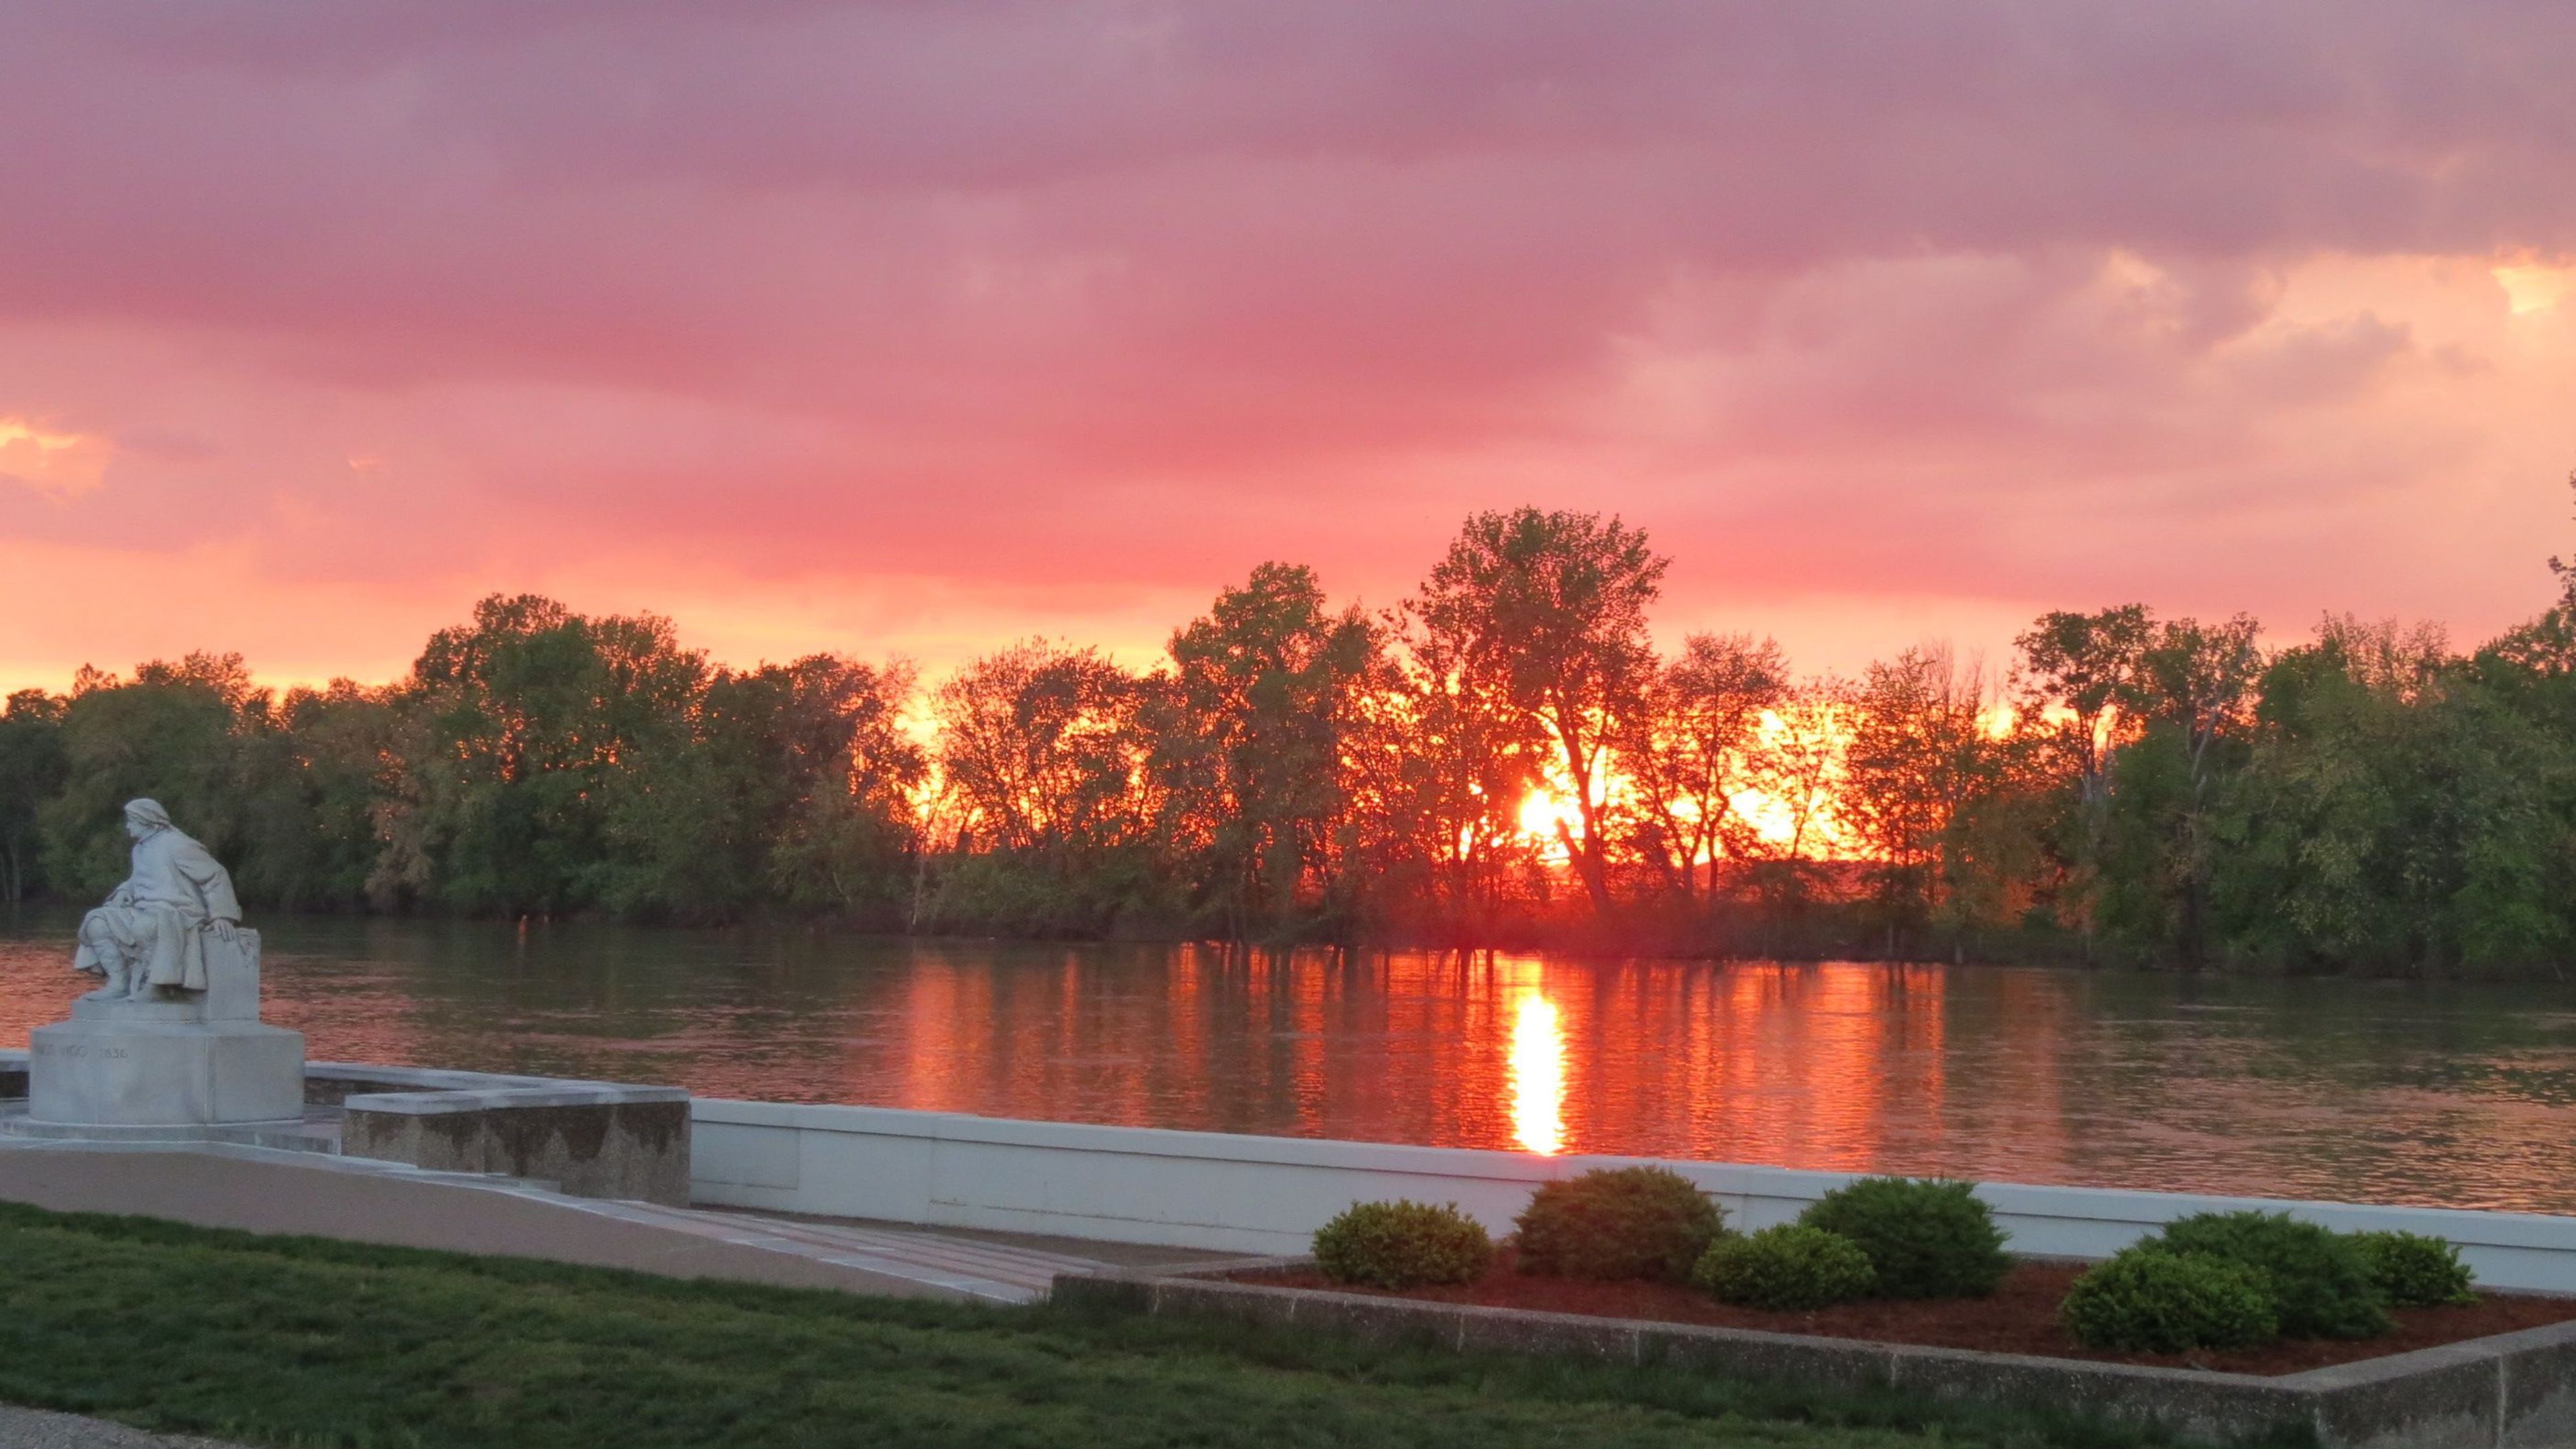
point(37, 1429)
point(263, 1190)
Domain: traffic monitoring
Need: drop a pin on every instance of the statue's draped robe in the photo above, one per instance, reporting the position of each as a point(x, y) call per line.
point(154, 917)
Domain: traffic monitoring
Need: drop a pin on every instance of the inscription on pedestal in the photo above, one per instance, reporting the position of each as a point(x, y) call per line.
point(43, 1048)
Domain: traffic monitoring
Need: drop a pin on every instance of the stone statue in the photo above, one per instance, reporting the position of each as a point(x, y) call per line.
point(170, 1047)
point(152, 932)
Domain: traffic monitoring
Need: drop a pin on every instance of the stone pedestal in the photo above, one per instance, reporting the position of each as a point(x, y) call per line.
point(190, 1060)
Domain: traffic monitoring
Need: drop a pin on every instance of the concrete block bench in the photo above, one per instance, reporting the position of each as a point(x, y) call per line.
point(592, 1139)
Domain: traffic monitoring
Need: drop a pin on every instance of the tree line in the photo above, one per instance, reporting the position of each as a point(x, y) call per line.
point(2127, 788)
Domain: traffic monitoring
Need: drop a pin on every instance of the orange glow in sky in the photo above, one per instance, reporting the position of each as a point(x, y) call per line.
point(2531, 286)
point(1771, 813)
point(55, 464)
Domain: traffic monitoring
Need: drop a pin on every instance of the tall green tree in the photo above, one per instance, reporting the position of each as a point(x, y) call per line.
point(1798, 769)
point(302, 786)
point(792, 787)
point(1039, 745)
point(1918, 770)
point(1249, 748)
point(172, 733)
point(1545, 613)
point(1691, 746)
point(1441, 767)
point(347, 746)
point(32, 771)
point(535, 720)
point(2194, 694)
point(1045, 808)
point(2082, 688)
point(2394, 814)
point(834, 774)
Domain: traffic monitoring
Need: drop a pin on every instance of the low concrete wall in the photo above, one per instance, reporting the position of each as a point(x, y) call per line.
point(1269, 1194)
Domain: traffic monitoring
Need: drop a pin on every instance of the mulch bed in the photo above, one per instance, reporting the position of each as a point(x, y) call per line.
point(2020, 1318)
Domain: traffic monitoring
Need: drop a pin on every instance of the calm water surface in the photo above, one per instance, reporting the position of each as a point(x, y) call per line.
point(2377, 1092)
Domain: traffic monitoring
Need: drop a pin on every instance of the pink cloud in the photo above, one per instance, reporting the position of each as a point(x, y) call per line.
point(918, 327)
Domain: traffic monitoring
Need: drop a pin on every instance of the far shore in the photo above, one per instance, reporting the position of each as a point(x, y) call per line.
point(1574, 940)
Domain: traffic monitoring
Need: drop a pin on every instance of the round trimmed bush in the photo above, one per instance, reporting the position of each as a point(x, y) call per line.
point(2144, 1299)
point(1402, 1245)
point(1925, 1237)
point(1784, 1267)
point(2319, 1278)
point(1618, 1222)
point(2414, 1271)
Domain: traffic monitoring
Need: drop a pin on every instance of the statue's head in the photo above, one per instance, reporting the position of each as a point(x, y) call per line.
point(142, 817)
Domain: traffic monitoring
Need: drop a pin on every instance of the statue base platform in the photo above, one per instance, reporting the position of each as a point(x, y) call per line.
point(147, 1064)
point(308, 1135)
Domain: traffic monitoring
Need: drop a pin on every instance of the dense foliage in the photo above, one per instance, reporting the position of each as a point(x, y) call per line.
point(1926, 1238)
point(2144, 1299)
point(2130, 788)
point(1784, 1267)
point(1623, 1222)
point(2320, 1280)
point(1402, 1245)
point(2414, 1271)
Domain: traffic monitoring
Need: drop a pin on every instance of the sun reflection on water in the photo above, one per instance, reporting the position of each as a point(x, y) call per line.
point(1538, 1074)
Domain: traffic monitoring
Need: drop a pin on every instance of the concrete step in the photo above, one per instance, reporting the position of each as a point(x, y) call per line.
point(978, 1268)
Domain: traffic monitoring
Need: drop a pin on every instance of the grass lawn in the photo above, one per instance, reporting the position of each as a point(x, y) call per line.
point(299, 1341)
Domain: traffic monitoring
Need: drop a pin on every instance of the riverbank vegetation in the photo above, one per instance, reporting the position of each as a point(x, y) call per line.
point(1503, 759)
point(288, 1341)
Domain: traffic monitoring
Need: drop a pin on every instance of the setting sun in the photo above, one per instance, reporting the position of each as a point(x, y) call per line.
point(1792, 813)
point(1541, 816)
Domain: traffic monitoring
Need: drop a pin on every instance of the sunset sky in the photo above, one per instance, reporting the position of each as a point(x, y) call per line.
point(913, 328)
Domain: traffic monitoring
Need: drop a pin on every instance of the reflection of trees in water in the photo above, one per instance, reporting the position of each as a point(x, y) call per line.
point(2401, 1092)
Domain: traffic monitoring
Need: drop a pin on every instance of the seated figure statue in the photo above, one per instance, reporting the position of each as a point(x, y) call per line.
point(151, 933)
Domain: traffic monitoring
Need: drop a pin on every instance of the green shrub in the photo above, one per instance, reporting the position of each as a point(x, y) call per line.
point(1625, 1222)
point(2147, 1300)
point(2319, 1278)
point(1784, 1267)
point(1402, 1245)
point(1927, 1238)
point(2414, 1271)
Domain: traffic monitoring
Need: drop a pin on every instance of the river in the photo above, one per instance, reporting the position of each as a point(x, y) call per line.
point(2442, 1094)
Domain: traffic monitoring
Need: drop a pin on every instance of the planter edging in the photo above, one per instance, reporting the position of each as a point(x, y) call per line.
point(2508, 1391)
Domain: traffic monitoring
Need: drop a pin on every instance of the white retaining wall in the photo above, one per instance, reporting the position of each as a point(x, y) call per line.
point(1269, 1194)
